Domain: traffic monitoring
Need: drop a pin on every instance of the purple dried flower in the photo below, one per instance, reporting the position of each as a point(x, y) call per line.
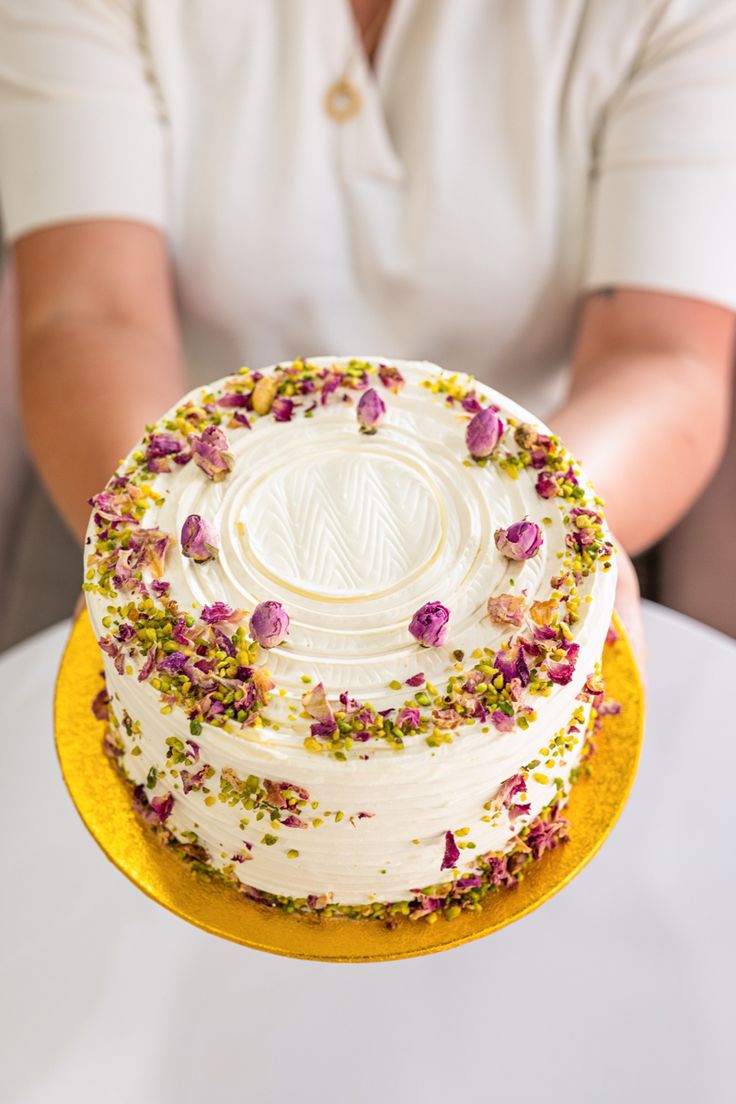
point(218, 611)
point(269, 624)
point(148, 664)
point(210, 450)
point(198, 539)
point(234, 399)
point(520, 541)
point(159, 588)
point(173, 663)
point(162, 807)
point(509, 788)
point(452, 852)
point(223, 642)
point(323, 728)
point(429, 624)
point(502, 721)
point(100, 705)
point(547, 485)
point(193, 780)
point(293, 821)
point(510, 662)
point(561, 671)
point(317, 706)
point(149, 547)
point(370, 410)
point(390, 377)
point(180, 631)
point(498, 870)
point(350, 705)
point(160, 447)
point(470, 881)
point(545, 835)
point(416, 680)
point(408, 717)
point(193, 750)
point(484, 431)
point(506, 609)
point(112, 508)
point(282, 409)
point(116, 653)
point(331, 383)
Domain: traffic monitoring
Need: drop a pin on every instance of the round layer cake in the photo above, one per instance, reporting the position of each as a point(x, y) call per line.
point(351, 614)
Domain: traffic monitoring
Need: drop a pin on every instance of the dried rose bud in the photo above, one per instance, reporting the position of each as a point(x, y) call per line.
point(263, 394)
point(506, 609)
point(390, 377)
point(484, 431)
point(520, 541)
point(429, 624)
point(210, 451)
point(198, 539)
point(370, 410)
point(269, 624)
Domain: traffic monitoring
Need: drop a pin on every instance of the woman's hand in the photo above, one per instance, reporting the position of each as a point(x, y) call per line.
point(628, 607)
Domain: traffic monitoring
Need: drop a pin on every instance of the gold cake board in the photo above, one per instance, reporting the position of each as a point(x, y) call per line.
point(104, 803)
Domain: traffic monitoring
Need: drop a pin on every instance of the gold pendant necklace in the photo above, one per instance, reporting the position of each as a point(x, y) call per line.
point(342, 100)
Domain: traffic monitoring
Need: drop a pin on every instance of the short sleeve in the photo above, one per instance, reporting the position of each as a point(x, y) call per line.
point(662, 212)
point(82, 134)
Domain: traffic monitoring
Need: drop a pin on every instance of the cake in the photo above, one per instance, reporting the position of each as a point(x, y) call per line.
point(351, 615)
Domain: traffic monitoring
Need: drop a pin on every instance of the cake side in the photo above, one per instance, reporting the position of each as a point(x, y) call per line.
point(413, 742)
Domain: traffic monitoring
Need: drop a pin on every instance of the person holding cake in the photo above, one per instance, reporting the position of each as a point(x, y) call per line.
point(538, 194)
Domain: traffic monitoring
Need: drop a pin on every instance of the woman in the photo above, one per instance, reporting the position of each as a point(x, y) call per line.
point(540, 192)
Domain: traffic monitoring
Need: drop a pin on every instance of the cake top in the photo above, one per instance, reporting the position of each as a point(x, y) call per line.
point(352, 557)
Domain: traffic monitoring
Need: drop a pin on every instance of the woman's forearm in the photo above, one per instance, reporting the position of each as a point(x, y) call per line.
point(649, 429)
point(87, 390)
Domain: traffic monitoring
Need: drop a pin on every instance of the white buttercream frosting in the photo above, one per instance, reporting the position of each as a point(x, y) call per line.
point(352, 533)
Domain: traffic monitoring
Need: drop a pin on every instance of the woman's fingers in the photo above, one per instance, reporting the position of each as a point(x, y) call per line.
point(628, 607)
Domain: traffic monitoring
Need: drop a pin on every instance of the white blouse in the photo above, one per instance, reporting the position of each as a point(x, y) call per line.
point(508, 155)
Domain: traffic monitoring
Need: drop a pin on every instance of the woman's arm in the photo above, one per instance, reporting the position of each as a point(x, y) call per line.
point(649, 404)
point(98, 348)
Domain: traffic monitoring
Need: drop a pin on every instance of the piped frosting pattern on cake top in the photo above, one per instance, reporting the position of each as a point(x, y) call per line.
point(377, 584)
